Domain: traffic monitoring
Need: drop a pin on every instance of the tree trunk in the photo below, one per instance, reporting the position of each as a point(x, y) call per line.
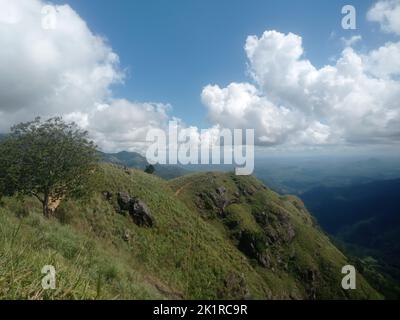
point(46, 209)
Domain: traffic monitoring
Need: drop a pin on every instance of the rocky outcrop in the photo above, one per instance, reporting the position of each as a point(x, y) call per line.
point(254, 245)
point(290, 233)
point(216, 201)
point(141, 214)
point(137, 209)
point(124, 200)
point(311, 279)
point(276, 224)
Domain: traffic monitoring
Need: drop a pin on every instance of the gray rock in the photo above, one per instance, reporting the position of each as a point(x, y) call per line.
point(291, 233)
point(126, 237)
point(107, 195)
point(221, 190)
point(264, 260)
point(124, 200)
point(137, 209)
point(141, 214)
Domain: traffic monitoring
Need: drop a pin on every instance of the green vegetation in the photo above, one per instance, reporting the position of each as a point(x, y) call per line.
point(363, 219)
point(137, 161)
point(99, 253)
point(49, 160)
point(150, 169)
point(137, 236)
point(277, 234)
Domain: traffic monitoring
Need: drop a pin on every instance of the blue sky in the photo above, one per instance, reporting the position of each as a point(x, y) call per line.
point(281, 68)
point(172, 49)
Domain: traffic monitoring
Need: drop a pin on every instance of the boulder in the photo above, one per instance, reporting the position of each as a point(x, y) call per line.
point(141, 214)
point(137, 209)
point(124, 200)
point(126, 237)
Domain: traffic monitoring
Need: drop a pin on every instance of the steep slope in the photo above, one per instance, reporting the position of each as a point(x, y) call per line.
point(365, 217)
point(276, 233)
point(341, 207)
point(99, 252)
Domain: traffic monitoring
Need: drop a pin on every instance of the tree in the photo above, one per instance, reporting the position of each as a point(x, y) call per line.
point(150, 169)
point(50, 160)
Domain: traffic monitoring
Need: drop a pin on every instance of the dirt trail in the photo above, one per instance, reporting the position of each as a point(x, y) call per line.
point(178, 192)
point(163, 289)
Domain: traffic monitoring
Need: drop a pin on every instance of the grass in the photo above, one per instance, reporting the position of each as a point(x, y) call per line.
point(310, 251)
point(190, 253)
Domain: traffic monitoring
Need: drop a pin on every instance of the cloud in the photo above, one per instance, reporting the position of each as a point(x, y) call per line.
point(387, 14)
point(66, 71)
point(290, 101)
point(348, 42)
point(51, 71)
point(384, 62)
point(123, 125)
point(241, 106)
point(70, 71)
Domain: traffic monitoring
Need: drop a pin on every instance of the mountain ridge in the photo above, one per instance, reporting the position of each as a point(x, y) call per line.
point(200, 249)
point(137, 161)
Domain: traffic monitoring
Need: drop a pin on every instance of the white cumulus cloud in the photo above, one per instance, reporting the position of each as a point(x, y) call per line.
point(67, 71)
point(348, 42)
point(70, 71)
point(291, 101)
point(50, 71)
point(387, 14)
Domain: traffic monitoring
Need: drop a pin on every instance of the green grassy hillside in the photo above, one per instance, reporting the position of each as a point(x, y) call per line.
point(214, 236)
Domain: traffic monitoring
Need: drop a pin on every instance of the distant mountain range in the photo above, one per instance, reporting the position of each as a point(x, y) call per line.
point(137, 161)
point(296, 175)
point(366, 217)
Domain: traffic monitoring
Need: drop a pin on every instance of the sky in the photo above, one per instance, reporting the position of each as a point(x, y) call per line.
point(285, 68)
point(173, 49)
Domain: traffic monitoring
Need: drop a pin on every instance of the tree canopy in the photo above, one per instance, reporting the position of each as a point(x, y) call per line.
point(150, 169)
point(50, 160)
